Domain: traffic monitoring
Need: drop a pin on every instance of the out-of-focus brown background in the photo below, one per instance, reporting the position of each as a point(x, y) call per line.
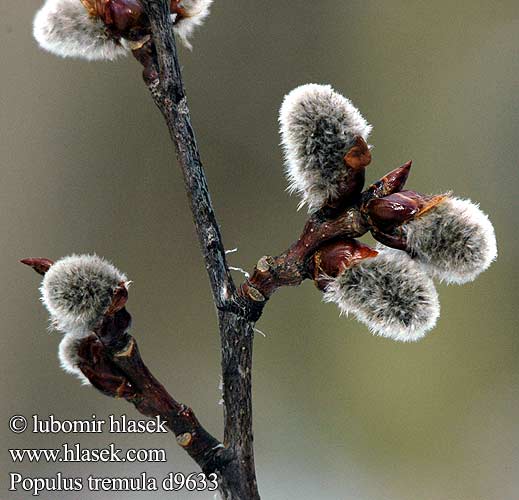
point(339, 414)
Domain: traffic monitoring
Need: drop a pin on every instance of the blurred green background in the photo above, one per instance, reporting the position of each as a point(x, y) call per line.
point(339, 414)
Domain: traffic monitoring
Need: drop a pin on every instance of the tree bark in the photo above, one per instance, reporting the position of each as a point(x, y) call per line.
point(163, 76)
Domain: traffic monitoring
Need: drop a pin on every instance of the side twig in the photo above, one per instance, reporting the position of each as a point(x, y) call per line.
point(111, 360)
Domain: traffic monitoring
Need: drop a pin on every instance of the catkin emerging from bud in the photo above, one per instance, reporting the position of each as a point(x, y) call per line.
point(318, 126)
point(76, 28)
point(389, 293)
point(77, 291)
point(455, 240)
point(65, 28)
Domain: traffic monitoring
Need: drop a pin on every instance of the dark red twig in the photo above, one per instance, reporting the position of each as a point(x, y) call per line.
point(111, 360)
point(296, 264)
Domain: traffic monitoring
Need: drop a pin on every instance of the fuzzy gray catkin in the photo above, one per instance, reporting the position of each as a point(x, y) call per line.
point(454, 241)
point(65, 28)
point(77, 290)
point(389, 293)
point(318, 126)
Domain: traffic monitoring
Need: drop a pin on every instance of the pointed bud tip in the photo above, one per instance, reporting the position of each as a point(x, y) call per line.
point(397, 178)
point(40, 265)
point(391, 183)
point(119, 298)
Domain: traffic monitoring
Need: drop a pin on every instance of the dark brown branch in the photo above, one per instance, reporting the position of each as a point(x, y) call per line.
point(237, 336)
point(163, 77)
point(164, 80)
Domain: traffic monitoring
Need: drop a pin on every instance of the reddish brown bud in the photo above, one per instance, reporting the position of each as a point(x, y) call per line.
point(349, 188)
point(394, 239)
point(97, 366)
point(393, 182)
point(123, 18)
point(120, 297)
point(176, 9)
point(333, 259)
point(40, 265)
point(397, 208)
point(126, 18)
point(113, 329)
point(359, 156)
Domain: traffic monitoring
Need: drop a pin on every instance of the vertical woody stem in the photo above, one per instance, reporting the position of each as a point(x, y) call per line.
point(163, 76)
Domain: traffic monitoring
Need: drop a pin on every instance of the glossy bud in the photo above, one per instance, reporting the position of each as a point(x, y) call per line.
point(40, 265)
point(392, 182)
point(334, 258)
point(397, 208)
point(123, 18)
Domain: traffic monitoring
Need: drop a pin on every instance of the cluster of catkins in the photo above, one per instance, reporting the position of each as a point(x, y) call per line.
point(107, 29)
point(393, 292)
point(78, 291)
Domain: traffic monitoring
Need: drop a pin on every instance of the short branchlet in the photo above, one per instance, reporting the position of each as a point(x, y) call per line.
point(433, 236)
point(389, 289)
